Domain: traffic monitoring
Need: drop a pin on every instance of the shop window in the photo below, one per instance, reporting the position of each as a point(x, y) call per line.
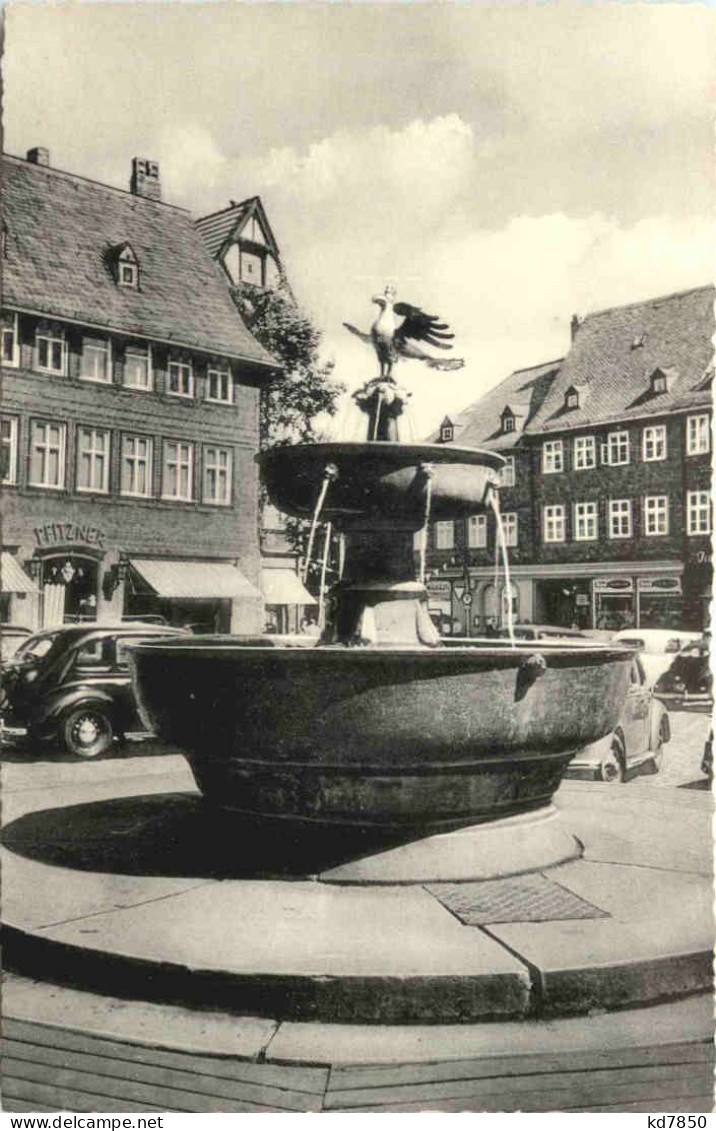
point(656, 515)
point(554, 526)
point(507, 476)
point(698, 512)
point(8, 452)
point(444, 535)
point(10, 340)
point(586, 526)
point(138, 367)
point(654, 443)
point(219, 386)
point(509, 526)
point(178, 471)
point(136, 474)
point(47, 454)
point(217, 476)
point(93, 460)
point(620, 518)
point(50, 349)
point(180, 379)
point(585, 452)
point(96, 360)
point(477, 531)
point(552, 457)
point(698, 434)
point(616, 450)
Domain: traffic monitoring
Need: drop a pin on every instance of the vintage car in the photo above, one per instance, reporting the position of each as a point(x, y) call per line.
point(656, 646)
point(11, 637)
point(687, 685)
point(72, 685)
point(636, 745)
point(542, 632)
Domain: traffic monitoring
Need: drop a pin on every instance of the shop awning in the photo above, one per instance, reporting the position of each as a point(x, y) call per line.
point(13, 578)
point(191, 579)
point(284, 587)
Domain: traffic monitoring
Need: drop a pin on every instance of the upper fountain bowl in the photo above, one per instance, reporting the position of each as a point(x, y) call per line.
point(380, 480)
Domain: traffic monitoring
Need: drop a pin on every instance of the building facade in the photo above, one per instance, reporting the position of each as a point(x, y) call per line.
point(130, 410)
point(606, 499)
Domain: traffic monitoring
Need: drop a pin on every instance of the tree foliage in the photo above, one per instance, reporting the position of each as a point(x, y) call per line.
point(292, 401)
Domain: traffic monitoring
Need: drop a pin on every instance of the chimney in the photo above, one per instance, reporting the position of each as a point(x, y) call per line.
point(39, 155)
point(145, 179)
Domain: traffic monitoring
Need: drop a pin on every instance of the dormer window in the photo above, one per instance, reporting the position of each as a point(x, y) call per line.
point(447, 431)
point(662, 379)
point(126, 267)
point(508, 421)
point(571, 399)
point(638, 341)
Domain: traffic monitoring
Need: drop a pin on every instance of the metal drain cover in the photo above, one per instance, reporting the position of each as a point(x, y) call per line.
point(520, 899)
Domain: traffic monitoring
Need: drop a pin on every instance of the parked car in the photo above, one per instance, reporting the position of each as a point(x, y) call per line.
point(636, 745)
point(688, 682)
point(543, 632)
point(11, 637)
point(656, 646)
point(72, 685)
point(707, 757)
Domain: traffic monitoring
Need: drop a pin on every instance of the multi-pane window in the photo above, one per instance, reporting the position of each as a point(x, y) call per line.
point(96, 361)
point(656, 515)
point(217, 476)
point(620, 518)
point(552, 456)
point(654, 443)
point(617, 448)
point(136, 477)
point(8, 451)
point(698, 434)
point(477, 531)
point(10, 343)
point(554, 524)
point(93, 460)
point(219, 386)
point(509, 526)
point(585, 522)
point(47, 454)
point(178, 471)
point(698, 512)
point(444, 535)
point(138, 367)
point(508, 422)
point(585, 452)
point(180, 379)
point(51, 349)
point(507, 478)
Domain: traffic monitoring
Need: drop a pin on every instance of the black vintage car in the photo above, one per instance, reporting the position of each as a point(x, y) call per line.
point(72, 685)
point(688, 684)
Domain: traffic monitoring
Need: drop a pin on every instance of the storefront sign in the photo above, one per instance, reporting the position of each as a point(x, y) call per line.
point(581, 599)
point(659, 586)
point(613, 585)
point(439, 588)
point(64, 533)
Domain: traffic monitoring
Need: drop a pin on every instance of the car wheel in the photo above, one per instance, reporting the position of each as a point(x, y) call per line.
point(88, 731)
point(661, 738)
point(613, 764)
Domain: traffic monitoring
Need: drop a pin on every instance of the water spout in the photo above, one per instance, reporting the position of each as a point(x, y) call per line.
point(494, 501)
point(330, 473)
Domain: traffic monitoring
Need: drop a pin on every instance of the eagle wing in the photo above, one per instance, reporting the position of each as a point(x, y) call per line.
point(420, 327)
point(359, 333)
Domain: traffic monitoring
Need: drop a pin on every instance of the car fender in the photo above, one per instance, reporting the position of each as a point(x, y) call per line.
point(56, 707)
point(658, 713)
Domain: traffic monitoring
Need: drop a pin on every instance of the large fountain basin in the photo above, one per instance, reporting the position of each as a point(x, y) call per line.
point(415, 740)
point(385, 481)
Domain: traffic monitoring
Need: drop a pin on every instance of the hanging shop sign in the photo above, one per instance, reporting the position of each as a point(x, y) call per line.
point(659, 586)
point(439, 588)
point(65, 533)
point(613, 585)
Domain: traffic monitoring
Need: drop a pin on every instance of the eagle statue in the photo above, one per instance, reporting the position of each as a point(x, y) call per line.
point(397, 330)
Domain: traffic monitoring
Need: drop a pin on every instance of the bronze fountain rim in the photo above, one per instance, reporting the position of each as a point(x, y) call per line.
point(389, 449)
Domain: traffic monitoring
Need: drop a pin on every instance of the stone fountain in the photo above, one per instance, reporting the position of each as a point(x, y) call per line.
point(379, 727)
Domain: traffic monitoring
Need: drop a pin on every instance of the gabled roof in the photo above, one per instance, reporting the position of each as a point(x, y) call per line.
point(62, 230)
point(675, 332)
point(218, 229)
point(480, 425)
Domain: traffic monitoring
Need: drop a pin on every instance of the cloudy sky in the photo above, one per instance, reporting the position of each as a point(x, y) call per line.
point(503, 165)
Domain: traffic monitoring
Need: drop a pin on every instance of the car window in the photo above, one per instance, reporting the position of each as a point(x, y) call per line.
point(632, 641)
point(637, 674)
point(93, 654)
point(37, 645)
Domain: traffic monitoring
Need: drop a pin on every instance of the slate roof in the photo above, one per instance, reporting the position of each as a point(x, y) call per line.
point(61, 232)
point(480, 425)
point(610, 372)
point(605, 362)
